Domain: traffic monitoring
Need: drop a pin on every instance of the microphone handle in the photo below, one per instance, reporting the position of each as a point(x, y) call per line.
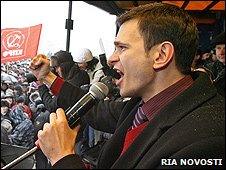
point(21, 158)
point(75, 113)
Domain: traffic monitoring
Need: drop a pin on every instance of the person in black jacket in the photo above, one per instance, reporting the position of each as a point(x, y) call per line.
point(175, 118)
point(63, 65)
point(217, 68)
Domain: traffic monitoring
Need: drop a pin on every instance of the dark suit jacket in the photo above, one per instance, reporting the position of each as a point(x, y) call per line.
point(189, 127)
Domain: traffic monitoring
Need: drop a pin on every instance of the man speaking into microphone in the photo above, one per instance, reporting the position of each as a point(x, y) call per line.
point(175, 117)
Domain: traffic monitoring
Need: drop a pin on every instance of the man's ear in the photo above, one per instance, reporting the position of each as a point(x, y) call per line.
point(164, 55)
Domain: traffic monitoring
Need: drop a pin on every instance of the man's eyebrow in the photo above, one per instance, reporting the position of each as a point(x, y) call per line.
point(120, 43)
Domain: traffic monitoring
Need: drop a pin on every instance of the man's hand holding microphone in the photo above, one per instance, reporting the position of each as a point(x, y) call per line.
point(57, 139)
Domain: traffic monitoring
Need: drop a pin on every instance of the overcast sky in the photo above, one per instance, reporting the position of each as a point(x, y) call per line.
point(90, 24)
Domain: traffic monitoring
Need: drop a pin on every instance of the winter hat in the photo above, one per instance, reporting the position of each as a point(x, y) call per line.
point(219, 39)
point(84, 55)
point(62, 57)
point(9, 94)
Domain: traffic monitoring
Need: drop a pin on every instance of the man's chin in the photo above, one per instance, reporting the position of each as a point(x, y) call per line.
point(126, 93)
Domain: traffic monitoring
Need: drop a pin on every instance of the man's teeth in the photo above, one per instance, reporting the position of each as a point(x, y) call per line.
point(119, 72)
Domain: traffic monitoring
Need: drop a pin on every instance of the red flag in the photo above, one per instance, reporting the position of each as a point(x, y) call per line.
point(19, 43)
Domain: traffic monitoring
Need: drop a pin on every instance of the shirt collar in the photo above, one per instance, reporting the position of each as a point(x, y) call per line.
point(156, 103)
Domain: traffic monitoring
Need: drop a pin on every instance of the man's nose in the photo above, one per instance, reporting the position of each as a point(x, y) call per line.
point(113, 59)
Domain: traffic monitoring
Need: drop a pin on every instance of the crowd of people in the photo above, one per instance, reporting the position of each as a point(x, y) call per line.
point(26, 103)
point(21, 106)
point(18, 104)
point(171, 102)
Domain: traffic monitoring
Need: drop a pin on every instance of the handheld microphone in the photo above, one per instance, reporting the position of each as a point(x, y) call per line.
point(96, 92)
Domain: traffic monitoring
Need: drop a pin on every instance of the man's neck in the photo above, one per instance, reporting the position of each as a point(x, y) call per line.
point(161, 83)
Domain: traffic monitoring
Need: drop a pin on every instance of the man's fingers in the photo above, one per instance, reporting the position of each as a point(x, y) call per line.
point(46, 126)
point(40, 134)
point(52, 118)
point(61, 114)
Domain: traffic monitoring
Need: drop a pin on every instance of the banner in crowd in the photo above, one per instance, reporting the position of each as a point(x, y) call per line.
point(19, 43)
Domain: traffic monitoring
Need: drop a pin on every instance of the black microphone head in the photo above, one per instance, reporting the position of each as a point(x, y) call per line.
point(99, 90)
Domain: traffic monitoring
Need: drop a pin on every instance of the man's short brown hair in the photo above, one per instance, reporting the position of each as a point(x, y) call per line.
point(160, 22)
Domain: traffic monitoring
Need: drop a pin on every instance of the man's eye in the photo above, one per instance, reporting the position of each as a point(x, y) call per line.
point(121, 48)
